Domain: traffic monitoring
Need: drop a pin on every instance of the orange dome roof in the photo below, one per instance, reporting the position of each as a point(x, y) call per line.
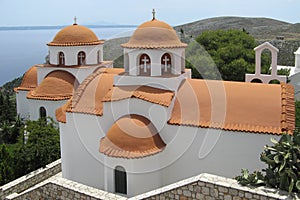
point(75, 35)
point(29, 80)
point(154, 34)
point(132, 136)
point(58, 85)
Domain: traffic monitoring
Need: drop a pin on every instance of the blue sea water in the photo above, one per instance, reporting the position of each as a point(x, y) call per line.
point(20, 49)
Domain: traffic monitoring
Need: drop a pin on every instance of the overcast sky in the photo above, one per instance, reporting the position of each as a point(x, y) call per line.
point(175, 12)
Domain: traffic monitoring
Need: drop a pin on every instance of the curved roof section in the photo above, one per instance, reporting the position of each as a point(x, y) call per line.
point(154, 34)
point(75, 35)
point(235, 106)
point(29, 81)
point(57, 85)
point(131, 136)
point(88, 97)
point(146, 93)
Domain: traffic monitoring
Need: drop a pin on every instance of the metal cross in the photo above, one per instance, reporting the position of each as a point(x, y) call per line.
point(75, 20)
point(153, 13)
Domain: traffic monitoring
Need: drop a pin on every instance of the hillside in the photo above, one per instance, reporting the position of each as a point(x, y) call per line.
point(263, 29)
point(260, 28)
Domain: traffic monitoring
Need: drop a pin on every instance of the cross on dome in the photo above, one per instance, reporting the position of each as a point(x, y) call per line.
point(153, 13)
point(75, 20)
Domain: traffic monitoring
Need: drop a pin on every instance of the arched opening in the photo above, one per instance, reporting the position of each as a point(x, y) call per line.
point(266, 60)
point(43, 112)
point(99, 60)
point(166, 63)
point(145, 64)
point(256, 80)
point(81, 58)
point(126, 62)
point(274, 81)
point(120, 180)
point(61, 59)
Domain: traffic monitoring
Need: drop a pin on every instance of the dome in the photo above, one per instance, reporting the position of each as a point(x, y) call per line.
point(132, 136)
point(58, 85)
point(29, 80)
point(154, 34)
point(75, 35)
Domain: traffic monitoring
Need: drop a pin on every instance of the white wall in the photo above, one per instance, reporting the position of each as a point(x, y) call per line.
point(70, 52)
point(22, 104)
point(80, 73)
point(50, 106)
point(132, 61)
point(189, 150)
point(168, 83)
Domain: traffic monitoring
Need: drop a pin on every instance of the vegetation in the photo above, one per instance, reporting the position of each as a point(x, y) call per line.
point(8, 88)
point(226, 55)
point(283, 164)
point(36, 149)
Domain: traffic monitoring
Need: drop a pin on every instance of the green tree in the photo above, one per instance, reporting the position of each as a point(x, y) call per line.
point(231, 51)
point(41, 148)
point(6, 172)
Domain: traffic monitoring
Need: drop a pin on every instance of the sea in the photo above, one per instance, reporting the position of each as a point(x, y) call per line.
point(23, 47)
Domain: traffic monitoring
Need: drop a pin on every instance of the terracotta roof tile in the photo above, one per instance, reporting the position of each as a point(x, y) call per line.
point(29, 81)
point(235, 106)
point(154, 34)
point(88, 96)
point(75, 35)
point(60, 113)
point(131, 136)
point(150, 94)
point(58, 85)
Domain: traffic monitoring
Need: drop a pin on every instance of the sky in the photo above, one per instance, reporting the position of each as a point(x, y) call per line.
point(175, 12)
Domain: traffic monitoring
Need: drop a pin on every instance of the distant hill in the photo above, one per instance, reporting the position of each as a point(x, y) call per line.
point(260, 28)
point(263, 29)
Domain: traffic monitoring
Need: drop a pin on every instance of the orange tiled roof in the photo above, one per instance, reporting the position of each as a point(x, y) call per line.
point(235, 106)
point(60, 113)
point(29, 81)
point(88, 97)
point(154, 34)
point(131, 136)
point(153, 95)
point(75, 35)
point(58, 85)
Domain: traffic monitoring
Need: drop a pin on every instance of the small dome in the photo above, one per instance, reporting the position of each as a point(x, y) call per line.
point(75, 35)
point(58, 85)
point(29, 81)
point(132, 136)
point(154, 34)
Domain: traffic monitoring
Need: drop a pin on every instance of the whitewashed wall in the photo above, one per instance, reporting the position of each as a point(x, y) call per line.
point(50, 106)
point(22, 104)
point(80, 73)
point(189, 150)
point(71, 52)
point(131, 60)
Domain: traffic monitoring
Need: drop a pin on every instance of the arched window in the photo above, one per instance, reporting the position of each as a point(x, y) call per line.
point(120, 180)
point(61, 58)
point(144, 63)
point(166, 62)
point(99, 56)
point(43, 112)
point(81, 58)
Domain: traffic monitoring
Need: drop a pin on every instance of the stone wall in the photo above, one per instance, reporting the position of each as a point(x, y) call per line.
point(203, 186)
point(57, 187)
point(31, 179)
point(209, 187)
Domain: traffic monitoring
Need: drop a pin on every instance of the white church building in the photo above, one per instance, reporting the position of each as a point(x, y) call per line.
point(132, 130)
